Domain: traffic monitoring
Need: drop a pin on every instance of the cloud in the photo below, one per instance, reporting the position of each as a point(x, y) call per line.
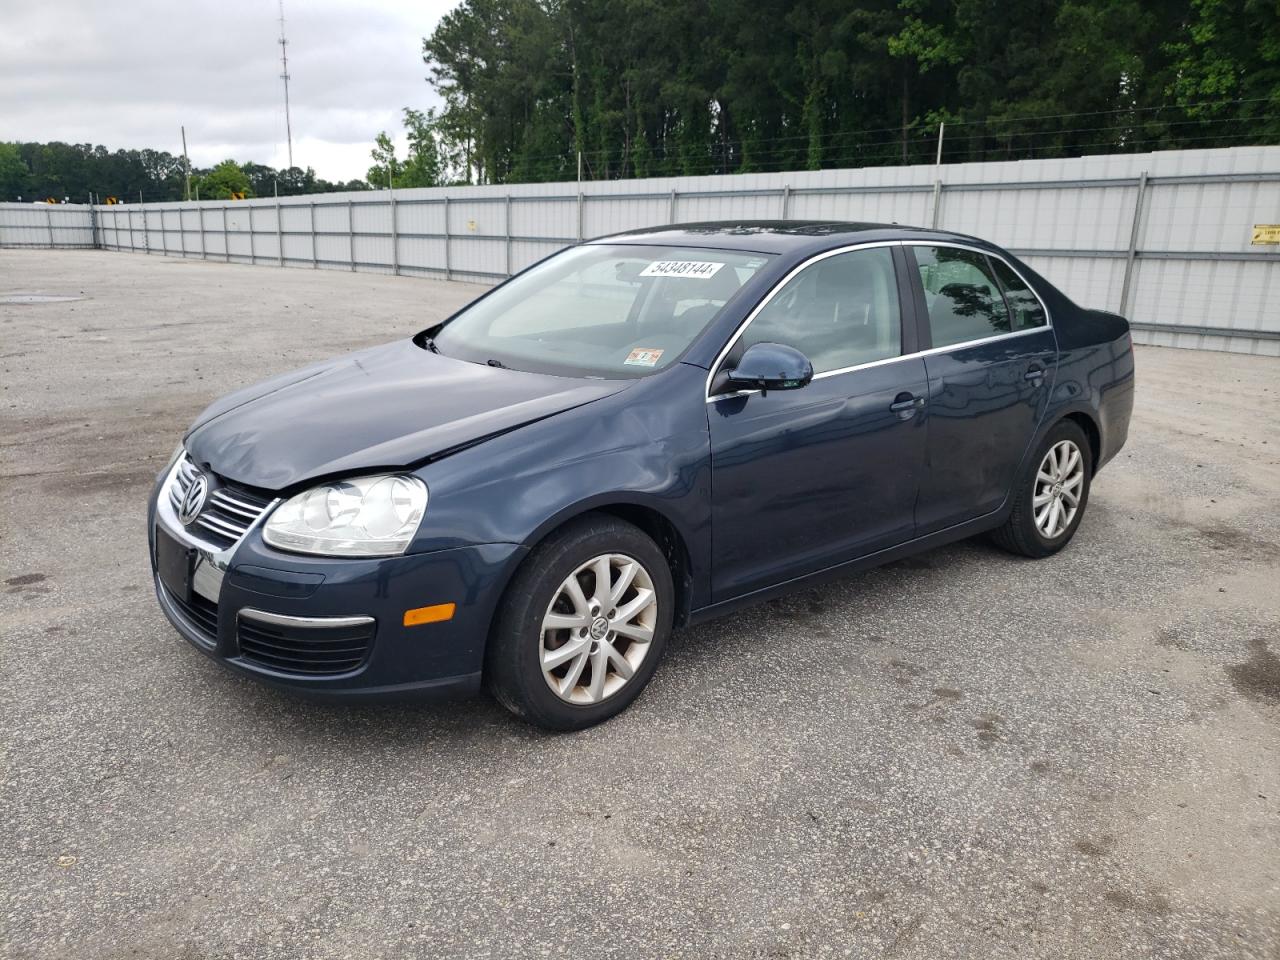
point(130, 75)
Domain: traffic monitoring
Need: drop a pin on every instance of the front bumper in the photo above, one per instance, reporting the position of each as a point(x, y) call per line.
point(334, 627)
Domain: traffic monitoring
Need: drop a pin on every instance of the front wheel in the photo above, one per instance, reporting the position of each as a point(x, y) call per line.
point(1051, 495)
point(582, 625)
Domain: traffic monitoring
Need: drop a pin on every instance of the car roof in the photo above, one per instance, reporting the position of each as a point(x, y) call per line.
point(780, 236)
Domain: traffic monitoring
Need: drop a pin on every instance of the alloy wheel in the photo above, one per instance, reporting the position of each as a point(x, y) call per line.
point(598, 629)
point(1058, 487)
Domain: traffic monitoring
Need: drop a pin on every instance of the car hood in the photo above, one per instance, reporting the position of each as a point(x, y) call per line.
point(388, 407)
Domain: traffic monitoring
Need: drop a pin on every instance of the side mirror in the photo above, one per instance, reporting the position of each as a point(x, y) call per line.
point(771, 366)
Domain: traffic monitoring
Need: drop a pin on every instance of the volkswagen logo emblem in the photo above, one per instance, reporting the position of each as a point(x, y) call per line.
point(193, 500)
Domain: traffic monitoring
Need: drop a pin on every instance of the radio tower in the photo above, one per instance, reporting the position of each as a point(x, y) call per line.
point(284, 63)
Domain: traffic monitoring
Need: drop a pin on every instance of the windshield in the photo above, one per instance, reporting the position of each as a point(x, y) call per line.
point(606, 310)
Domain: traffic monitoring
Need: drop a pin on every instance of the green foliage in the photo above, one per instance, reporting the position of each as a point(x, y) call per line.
point(386, 168)
point(1230, 51)
point(653, 88)
point(645, 88)
point(13, 172)
point(75, 170)
point(423, 167)
point(224, 180)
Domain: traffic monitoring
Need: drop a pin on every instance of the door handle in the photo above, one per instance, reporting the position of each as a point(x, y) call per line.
point(906, 401)
point(1035, 373)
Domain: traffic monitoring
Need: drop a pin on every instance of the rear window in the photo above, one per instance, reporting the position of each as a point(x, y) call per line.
point(1023, 303)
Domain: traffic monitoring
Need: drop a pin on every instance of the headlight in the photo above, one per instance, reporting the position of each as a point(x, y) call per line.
point(362, 517)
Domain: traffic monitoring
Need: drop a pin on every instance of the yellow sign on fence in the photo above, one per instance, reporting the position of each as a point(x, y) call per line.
point(1266, 233)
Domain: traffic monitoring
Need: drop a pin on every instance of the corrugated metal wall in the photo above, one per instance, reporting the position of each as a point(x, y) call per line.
point(45, 225)
point(1164, 238)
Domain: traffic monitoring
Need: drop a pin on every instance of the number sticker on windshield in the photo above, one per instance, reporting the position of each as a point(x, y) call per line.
point(693, 269)
point(643, 357)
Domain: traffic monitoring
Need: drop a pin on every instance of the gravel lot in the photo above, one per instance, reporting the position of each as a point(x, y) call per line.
point(964, 754)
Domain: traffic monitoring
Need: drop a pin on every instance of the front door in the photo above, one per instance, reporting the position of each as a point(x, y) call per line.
point(989, 383)
point(807, 478)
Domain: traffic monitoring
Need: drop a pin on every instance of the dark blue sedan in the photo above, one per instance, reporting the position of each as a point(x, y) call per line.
point(637, 433)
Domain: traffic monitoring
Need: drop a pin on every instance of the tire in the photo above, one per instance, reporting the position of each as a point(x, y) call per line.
point(539, 605)
point(1028, 531)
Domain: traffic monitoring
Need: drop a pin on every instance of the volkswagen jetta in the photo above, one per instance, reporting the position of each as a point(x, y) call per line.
point(635, 434)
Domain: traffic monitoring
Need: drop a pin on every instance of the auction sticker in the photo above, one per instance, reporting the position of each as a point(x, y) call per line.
point(694, 269)
point(1266, 233)
point(644, 356)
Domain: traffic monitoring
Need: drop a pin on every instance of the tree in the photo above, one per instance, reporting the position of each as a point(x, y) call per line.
point(422, 168)
point(1231, 51)
point(13, 172)
point(77, 169)
point(222, 181)
point(645, 88)
point(386, 168)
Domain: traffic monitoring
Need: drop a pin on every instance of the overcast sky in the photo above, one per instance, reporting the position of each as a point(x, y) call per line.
point(128, 75)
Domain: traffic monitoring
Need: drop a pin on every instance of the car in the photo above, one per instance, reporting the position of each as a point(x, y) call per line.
point(637, 433)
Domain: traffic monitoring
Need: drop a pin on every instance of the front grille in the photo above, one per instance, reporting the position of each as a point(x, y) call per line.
point(308, 650)
point(200, 612)
point(229, 512)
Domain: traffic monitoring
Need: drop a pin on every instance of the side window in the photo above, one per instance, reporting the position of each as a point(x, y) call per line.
point(962, 295)
point(840, 312)
point(1027, 312)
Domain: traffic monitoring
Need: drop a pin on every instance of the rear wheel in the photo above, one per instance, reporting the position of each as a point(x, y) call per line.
point(582, 625)
point(1051, 496)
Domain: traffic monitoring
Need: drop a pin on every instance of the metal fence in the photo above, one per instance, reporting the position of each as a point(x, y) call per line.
point(1164, 238)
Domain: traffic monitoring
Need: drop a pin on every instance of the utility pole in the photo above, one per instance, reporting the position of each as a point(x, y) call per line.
point(284, 63)
point(186, 161)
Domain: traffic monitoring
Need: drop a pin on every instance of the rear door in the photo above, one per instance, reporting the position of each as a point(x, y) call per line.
point(807, 478)
point(990, 364)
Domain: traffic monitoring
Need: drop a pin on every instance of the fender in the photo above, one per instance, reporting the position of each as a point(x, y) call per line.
point(639, 450)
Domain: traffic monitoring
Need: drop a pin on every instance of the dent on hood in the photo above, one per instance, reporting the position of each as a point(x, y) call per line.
point(395, 406)
point(236, 398)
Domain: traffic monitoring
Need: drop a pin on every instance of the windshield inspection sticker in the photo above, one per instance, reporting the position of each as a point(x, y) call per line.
point(694, 269)
point(644, 356)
